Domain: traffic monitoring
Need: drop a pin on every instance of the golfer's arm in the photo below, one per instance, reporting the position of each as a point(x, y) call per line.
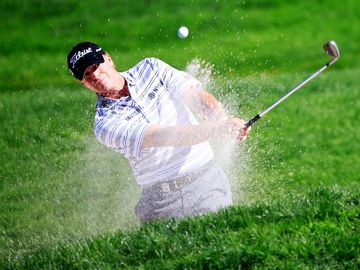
point(201, 101)
point(183, 135)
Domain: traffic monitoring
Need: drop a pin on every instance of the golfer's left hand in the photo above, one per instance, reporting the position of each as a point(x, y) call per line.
point(237, 129)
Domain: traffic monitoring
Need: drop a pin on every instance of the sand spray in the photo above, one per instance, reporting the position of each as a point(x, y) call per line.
point(231, 155)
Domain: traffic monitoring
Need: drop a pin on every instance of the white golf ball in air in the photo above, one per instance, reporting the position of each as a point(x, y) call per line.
point(183, 32)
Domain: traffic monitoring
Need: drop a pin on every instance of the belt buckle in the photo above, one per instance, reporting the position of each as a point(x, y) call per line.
point(178, 185)
point(165, 187)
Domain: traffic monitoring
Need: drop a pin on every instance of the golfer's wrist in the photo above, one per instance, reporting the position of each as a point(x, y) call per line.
point(224, 127)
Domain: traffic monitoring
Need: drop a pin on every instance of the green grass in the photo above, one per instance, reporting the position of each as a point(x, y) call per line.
point(67, 201)
point(317, 231)
point(239, 38)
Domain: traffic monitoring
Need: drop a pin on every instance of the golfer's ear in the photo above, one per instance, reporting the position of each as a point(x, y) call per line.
point(108, 58)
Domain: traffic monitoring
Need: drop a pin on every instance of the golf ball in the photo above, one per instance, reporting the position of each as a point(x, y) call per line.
point(183, 32)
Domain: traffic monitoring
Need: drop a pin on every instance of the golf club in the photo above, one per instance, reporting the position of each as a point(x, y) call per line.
point(331, 49)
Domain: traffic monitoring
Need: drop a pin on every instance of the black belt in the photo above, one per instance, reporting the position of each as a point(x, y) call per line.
point(179, 182)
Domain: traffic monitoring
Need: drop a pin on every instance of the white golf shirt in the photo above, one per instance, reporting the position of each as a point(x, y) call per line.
point(155, 98)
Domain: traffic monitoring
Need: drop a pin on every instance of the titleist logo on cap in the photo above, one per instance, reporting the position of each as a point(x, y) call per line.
point(79, 55)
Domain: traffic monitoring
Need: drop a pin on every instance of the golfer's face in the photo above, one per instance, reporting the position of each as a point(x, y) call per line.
point(101, 78)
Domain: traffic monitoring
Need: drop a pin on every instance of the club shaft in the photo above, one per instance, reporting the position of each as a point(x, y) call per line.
point(276, 103)
point(292, 91)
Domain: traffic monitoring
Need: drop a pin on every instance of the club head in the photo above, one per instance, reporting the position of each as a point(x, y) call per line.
point(332, 49)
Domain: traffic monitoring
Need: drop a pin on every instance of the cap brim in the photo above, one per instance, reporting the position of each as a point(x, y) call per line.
point(86, 63)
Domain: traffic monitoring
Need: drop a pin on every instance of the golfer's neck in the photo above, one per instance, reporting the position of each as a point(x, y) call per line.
point(122, 92)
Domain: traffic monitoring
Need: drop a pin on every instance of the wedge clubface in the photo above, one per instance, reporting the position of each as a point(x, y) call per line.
point(331, 49)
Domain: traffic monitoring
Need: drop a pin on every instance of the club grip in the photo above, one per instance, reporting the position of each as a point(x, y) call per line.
point(252, 121)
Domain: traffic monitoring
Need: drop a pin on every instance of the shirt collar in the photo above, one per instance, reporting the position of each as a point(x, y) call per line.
point(129, 78)
point(131, 81)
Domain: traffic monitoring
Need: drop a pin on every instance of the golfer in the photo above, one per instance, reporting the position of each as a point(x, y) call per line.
point(147, 113)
